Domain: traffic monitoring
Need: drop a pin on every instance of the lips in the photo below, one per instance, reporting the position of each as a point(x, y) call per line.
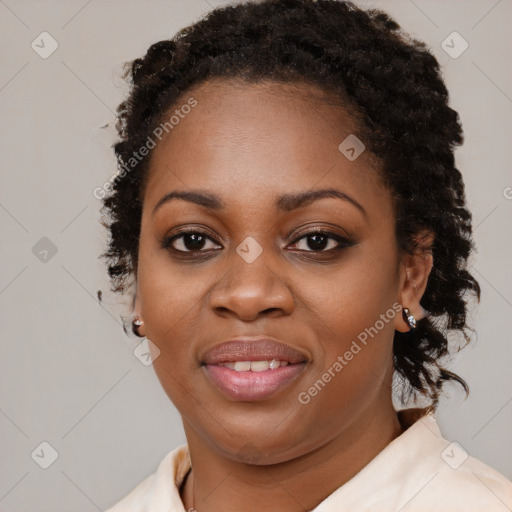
point(253, 349)
point(253, 369)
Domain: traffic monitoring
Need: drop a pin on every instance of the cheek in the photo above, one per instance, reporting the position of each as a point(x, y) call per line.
point(171, 304)
point(172, 309)
point(354, 296)
point(354, 312)
point(168, 291)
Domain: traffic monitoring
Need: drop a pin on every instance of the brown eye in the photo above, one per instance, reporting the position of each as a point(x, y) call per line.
point(321, 241)
point(188, 241)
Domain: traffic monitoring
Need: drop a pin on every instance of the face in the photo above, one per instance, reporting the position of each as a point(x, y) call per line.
point(321, 276)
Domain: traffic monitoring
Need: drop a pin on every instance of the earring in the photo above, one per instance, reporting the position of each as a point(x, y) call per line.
point(137, 322)
point(409, 318)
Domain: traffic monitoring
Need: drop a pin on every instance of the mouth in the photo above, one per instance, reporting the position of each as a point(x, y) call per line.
point(253, 369)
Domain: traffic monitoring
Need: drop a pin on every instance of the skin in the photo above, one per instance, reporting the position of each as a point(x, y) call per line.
point(248, 144)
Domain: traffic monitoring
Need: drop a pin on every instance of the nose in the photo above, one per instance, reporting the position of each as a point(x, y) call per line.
point(250, 290)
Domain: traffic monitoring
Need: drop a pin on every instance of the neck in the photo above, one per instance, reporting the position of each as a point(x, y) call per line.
point(220, 483)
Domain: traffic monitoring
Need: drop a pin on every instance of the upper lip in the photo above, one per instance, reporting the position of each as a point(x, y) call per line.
point(262, 348)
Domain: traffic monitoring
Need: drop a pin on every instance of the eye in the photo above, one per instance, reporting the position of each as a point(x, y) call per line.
point(188, 241)
point(197, 241)
point(322, 241)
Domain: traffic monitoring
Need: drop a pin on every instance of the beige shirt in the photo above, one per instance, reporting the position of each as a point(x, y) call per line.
point(419, 471)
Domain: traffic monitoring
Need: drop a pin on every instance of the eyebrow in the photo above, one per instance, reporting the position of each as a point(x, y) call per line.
point(285, 202)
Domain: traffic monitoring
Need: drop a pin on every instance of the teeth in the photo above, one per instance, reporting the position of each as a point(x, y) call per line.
point(259, 366)
point(242, 366)
point(255, 366)
point(275, 364)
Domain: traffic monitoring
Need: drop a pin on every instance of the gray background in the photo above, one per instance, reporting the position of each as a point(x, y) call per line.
point(68, 374)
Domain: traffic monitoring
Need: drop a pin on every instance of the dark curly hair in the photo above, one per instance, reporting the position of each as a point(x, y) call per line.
point(391, 85)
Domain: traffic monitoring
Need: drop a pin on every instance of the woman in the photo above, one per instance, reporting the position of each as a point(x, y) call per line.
point(289, 208)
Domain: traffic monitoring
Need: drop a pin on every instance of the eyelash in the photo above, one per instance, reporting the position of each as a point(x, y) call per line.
point(343, 242)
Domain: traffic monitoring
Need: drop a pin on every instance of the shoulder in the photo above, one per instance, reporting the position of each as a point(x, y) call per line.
point(157, 487)
point(449, 478)
point(421, 471)
point(466, 483)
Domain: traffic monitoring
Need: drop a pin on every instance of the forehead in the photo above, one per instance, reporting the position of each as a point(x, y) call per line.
point(253, 137)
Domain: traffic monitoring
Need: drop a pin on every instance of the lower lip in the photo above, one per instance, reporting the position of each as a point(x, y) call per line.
point(253, 386)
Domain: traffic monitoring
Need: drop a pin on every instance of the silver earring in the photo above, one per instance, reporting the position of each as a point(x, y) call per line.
point(409, 318)
point(137, 322)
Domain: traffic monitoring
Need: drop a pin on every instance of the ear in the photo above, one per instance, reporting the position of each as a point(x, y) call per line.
point(414, 272)
point(137, 312)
